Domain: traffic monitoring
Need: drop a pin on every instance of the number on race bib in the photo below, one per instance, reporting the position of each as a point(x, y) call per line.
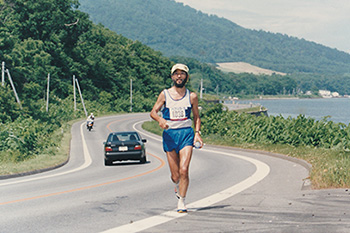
point(177, 113)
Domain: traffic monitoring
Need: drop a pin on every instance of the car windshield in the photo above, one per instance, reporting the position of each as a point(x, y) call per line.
point(123, 137)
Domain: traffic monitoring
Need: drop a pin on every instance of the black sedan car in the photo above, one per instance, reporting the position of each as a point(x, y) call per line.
point(124, 146)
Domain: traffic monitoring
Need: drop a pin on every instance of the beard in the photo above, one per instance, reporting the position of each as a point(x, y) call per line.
point(182, 84)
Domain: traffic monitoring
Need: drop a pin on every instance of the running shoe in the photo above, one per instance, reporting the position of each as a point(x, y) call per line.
point(181, 207)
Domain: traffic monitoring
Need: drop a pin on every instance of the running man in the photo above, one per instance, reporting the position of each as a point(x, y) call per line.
point(178, 135)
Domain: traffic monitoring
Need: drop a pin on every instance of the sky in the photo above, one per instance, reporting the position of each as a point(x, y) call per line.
point(325, 22)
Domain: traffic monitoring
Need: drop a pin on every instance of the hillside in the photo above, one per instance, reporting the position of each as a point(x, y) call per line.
point(61, 40)
point(178, 30)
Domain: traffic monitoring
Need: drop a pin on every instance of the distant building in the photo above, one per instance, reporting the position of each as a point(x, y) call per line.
point(308, 93)
point(325, 93)
point(328, 94)
point(335, 94)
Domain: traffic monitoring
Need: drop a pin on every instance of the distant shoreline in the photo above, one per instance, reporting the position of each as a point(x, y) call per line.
point(290, 98)
point(236, 105)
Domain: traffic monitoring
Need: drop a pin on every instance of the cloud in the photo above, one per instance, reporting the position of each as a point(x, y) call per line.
point(321, 21)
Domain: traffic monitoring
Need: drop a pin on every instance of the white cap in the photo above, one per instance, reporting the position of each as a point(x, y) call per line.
point(179, 67)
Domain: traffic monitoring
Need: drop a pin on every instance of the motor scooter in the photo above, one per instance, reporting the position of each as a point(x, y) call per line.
point(89, 125)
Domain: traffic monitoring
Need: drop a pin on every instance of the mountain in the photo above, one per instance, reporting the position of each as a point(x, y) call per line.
point(61, 40)
point(179, 30)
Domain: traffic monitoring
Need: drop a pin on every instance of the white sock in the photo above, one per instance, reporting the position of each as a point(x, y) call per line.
point(177, 190)
point(181, 203)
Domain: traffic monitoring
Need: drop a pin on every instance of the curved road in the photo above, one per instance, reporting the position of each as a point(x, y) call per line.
point(230, 191)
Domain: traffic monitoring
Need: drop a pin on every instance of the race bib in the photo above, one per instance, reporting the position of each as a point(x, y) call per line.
point(177, 113)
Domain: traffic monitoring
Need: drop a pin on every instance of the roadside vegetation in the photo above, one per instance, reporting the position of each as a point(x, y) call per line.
point(55, 154)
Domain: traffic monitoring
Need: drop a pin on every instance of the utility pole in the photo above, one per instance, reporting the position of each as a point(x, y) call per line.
point(130, 95)
point(13, 88)
point(74, 95)
point(3, 74)
point(48, 92)
point(81, 97)
point(201, 91)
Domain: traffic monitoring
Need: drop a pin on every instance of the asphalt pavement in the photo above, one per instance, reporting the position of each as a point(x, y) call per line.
point(282, 202)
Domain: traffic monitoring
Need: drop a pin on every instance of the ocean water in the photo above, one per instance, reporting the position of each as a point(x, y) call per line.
point(338, 109)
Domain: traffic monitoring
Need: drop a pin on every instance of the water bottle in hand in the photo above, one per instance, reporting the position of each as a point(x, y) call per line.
point(197, 145)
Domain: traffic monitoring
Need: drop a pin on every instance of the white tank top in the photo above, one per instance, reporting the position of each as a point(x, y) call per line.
point(177, 113)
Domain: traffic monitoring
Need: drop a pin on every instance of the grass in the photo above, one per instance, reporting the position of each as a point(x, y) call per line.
point(52, 158)
point(330, 168)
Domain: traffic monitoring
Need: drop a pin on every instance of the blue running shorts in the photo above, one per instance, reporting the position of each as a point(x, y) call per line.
point(177, 139)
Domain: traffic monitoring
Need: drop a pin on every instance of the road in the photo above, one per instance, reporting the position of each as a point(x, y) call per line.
point(231, 190)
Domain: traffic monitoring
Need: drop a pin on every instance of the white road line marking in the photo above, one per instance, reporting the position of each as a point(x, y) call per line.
point(148, 134)
point(87, 162)
point(262, 170)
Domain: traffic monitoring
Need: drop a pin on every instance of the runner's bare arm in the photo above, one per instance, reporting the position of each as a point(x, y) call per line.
point(196, 118)
point(154, 113)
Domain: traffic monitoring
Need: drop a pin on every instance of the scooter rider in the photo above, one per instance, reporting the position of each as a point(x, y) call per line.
point(91, 119)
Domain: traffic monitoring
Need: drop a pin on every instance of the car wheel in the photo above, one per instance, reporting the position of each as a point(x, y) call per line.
point(143, 159)
point(108, 162)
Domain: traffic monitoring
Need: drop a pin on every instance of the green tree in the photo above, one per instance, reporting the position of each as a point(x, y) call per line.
point(9, 108)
